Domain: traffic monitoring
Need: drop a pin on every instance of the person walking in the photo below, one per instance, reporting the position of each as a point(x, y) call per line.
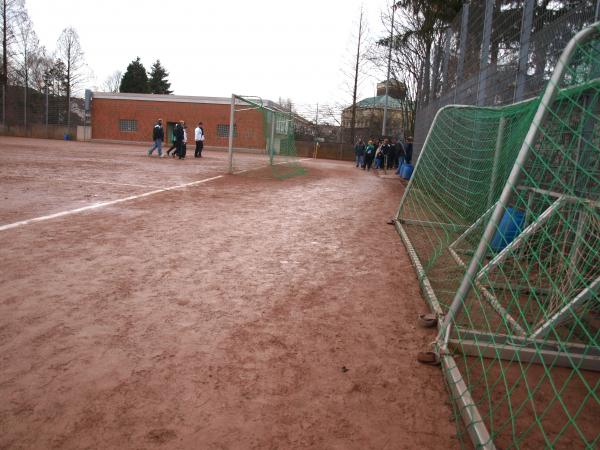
point(184, 143)
point(178, 142)
point(199, 138)
point(359, 152)
point(158, 134)
point(173, 142)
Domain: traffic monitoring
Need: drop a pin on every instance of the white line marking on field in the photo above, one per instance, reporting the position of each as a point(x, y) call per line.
point(76, 180)
point(120, 200)
point(106, 182)
point(103, 204)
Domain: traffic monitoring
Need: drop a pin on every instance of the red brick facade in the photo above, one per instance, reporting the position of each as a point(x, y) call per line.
point(145, 109)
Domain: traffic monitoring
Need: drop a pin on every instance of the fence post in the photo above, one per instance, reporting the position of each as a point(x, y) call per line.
point(485, 52)
point(524, 48)
point(446, 81)
point(46, 109)
point(464, 29)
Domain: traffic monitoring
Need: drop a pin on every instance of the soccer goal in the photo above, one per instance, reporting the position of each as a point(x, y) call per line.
point(502, 222)
point(261, 127)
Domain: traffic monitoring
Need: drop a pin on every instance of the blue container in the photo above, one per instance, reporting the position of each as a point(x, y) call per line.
point(66, 136)
point(406, 171)
point(510, 227)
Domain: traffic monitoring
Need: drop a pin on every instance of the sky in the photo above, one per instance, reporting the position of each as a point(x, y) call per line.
point(270, 49)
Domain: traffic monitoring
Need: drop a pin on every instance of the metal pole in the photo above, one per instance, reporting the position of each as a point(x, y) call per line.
point(46, 109)
point(231, 125)
point(569, 308)
point(387, 80)
point(485, 52)
point(597, 16)
point(25, 105)
point(272, 140)
point(464, 29)
point(497, 151)
point(316, 131)
point(528, 144)
point(446, 84)
point(524, 48)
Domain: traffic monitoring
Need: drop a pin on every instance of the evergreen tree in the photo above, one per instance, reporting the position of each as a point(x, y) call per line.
point(158, 79)
point(135, 78)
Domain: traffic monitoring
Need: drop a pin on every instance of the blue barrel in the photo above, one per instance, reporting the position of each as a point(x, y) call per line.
point(406, 171)
point(510, 227)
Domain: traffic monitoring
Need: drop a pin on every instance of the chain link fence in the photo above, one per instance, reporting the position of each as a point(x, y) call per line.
point(497, 52)
point(33, 113)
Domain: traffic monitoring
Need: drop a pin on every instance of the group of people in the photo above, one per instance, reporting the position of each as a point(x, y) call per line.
point(180, 139)
point(383, 153)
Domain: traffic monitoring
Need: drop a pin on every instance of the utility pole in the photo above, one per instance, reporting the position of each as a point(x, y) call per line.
point(353, 120)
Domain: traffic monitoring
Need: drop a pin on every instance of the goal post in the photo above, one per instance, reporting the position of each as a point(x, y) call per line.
point(501, 219)
point(260, 127)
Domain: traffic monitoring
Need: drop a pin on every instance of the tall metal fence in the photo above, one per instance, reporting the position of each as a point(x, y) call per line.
point(33, 113)
point(498, 52)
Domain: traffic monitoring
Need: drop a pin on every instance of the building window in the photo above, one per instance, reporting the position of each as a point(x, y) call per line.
point(223, 130)
point(281, 126)
point(127, 125)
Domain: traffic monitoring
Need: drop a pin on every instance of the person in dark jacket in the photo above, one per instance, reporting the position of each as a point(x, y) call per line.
point(391, 157)
point(408, 150)
point(359, 152)
point(179, 138)
point(158, 134)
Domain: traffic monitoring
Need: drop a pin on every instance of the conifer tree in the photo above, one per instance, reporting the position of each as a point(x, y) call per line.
point(158, 82)
point(135, 78)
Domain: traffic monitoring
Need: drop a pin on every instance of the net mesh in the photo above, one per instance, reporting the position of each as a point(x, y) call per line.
point(525, 333)
point(264, 128)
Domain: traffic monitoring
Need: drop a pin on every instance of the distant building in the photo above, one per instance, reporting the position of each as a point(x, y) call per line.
point(396, 89)
point(369, 117)
point(131, 117)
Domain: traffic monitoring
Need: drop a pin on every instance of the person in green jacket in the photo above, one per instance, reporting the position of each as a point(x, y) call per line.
point(369, 155)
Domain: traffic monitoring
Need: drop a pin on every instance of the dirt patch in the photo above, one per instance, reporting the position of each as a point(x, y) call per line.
point(215, 316)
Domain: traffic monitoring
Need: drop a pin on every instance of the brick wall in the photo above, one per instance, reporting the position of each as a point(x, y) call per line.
point(106, 114)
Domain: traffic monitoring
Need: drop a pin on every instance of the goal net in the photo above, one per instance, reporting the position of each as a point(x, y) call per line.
point(264, 129)
point(502, 222)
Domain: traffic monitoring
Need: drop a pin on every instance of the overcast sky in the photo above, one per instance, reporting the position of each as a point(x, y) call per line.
point(266, 48)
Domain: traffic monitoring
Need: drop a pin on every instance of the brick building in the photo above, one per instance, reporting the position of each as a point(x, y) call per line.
point(131, 117)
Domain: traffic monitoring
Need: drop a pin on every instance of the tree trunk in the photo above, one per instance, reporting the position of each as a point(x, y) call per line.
point(4, 80)
point(427, 70)
point(69, 89)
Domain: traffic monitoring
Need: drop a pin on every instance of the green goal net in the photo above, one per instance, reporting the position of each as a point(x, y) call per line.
point(502, 222)
point(264, 129)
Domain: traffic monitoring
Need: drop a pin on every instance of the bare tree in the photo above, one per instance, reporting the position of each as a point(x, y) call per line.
point(27, 45)
point(69, 50)
point(359, 57)
point(40, 64)
point(11, 12)
point(113, 81)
